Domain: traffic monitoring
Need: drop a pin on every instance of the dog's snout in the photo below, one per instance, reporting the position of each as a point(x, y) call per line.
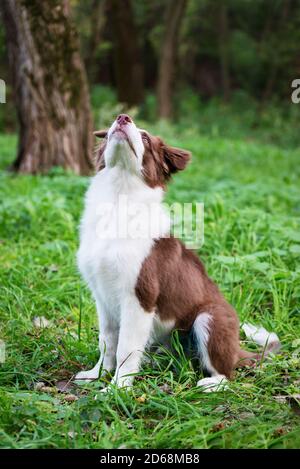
point(123, 119)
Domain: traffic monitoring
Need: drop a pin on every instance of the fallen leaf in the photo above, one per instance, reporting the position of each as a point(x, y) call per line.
point(221, 408)
point(40, 322)
point(218, 427)
point(245, 415)
point(38, 386)
point(247, 385)
point(48, 390)
point(281, 399)
point(280, 431)
point(64, 374)
point(165, 388)
point(141, 399)
point(70, 398)
point(64, 386)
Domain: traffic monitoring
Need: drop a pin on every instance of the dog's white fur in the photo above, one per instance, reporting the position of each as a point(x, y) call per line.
point(111, 266)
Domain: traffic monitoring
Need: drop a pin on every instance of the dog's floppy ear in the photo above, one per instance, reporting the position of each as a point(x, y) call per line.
point(176, 159)
point(100, 133)
point(99, 156)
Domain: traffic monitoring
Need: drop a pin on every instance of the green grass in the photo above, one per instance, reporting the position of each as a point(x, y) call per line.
point(252, 249)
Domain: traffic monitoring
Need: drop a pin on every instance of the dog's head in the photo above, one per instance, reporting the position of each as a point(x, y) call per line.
point(139, 152)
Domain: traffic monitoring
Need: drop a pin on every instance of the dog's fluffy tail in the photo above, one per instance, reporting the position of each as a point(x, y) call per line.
point(269, 341)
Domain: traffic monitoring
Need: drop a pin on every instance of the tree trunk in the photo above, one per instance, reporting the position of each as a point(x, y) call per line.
point(223, 48)
point(50, 86)
point(167, 63)
point(127, 64)
point(97, 27)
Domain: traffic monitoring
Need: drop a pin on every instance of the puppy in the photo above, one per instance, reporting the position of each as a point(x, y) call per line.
point(145, 286)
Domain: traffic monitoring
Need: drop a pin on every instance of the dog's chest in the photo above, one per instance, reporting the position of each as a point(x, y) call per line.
point(109, 258)
point(112, 268)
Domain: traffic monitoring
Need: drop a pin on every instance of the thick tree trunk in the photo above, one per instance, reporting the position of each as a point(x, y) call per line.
point(127, 63)
point(50, 86)
point(223, 48)
point(167, 63)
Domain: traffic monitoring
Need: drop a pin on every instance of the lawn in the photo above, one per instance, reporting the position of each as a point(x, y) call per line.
point(251, 193)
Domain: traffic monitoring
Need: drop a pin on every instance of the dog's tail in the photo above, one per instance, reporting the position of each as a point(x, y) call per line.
point(269, 342)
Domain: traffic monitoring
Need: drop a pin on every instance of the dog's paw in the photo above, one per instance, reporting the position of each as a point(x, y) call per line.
point(213, 384)
point(87, 376)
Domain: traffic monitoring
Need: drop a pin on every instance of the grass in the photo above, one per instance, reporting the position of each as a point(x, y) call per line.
point(252, 249)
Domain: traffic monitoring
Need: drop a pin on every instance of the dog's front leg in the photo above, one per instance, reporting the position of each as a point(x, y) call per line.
point(108, 339)
point(135, 330)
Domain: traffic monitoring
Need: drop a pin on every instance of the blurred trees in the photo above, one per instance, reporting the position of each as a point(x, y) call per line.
point(209, 47)
point(214, 47)
point(223, 48)
point(97, 22)
point(50, 86)
point(168, 56)
point(126, 55)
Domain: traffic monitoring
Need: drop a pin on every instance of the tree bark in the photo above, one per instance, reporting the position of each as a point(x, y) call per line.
point(127, 63)
point(50, 86)
point(167, 63)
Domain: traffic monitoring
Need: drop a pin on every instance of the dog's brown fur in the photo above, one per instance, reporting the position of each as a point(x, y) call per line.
point(174, 283)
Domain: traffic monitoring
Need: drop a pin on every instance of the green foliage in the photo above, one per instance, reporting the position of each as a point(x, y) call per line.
point(241, 119)
point(262, 44)
point(261, 47)
point(106, 107)
point(252, 249)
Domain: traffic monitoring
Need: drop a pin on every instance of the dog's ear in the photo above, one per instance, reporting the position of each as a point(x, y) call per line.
point(176, 159)
point(100, 133)
point(99, 157)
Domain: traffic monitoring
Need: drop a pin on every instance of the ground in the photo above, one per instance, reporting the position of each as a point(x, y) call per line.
point(252, 248)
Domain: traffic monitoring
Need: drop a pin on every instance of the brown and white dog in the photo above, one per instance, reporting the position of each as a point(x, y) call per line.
point(147, 286)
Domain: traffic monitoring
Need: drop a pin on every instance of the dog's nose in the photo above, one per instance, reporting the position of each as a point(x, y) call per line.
point(123, 119)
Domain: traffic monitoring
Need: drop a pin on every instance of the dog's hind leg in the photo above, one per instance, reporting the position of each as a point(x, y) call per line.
point(216, 331)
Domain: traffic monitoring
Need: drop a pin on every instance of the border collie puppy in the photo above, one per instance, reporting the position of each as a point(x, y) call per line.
point(146, 286)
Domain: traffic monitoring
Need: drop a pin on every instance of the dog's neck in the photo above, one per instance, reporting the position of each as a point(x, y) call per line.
point(131, 198)
point(119, 181)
